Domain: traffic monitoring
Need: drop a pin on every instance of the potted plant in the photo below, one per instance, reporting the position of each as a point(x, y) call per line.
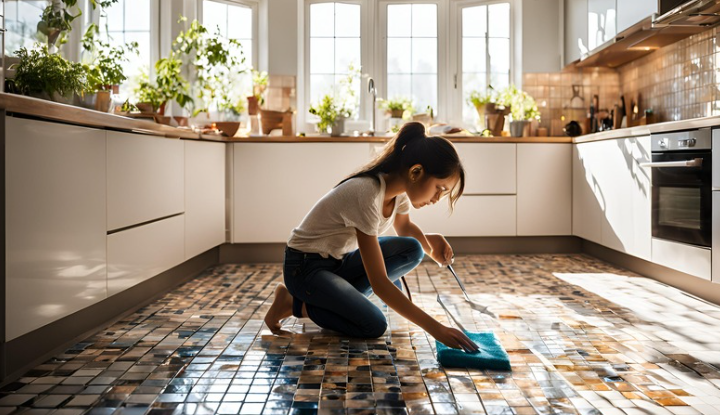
point(56, 19)
point(260, 84)
point(480, 100)
point(398, 107)
point(332, 116)
point(150, 98)
point(523, 109)
point(105, 71)
point(46, 75)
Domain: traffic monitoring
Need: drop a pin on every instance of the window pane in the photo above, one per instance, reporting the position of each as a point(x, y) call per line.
point(347, 20)
point(215, 16)
point(424, 55)
point(499, 55)
point(247, 51)
point(347, 51)
point(240, 23)
point(321, 17)
point(399, 86)
point(424, 92)
point(473, 55)
point(472, 82)
point(21, 19)
point(115, 16)
point(320, 85)
point(399, 56)
point(499, 80)
point(399, 20)
point(424, 20)
point(137, 15)
point(322, 55)
point(499, 20)
point(474, 21)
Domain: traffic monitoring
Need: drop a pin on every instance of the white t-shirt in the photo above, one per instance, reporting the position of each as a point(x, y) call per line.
point(329, 228)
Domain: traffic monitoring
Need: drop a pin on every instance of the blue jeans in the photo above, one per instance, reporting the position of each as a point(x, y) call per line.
point(335, 292)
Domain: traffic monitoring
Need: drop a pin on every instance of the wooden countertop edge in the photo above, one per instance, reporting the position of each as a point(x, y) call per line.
point(54, 111)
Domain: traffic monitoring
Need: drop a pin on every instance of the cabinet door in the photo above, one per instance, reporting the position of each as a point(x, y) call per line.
point(640, 180)
point(55, 222)
point(490, 168)
point(544, 189)
point(145, 178)
point(204, 196)
point(588, 200)
point(473, 216)
point(602, 20)
point(615, 181)
point(140, 253)
point(576, 29)
point(276, 184)
point(630, 12)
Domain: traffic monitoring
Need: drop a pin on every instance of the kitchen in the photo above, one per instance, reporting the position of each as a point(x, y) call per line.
point(142, 246)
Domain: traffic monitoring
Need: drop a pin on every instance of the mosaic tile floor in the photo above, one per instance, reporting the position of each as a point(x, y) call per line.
point(584, 337)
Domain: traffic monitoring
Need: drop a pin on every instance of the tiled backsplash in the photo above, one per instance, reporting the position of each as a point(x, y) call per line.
point(678, 82)
point(280, 94)
point(553, 93)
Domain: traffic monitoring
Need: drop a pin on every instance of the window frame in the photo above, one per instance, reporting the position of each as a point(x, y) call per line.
point(442, 48)
point(366, 60)
point(253, 5)
point(456, 99)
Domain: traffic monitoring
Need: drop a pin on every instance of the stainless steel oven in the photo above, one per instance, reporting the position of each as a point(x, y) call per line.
point(682, 187)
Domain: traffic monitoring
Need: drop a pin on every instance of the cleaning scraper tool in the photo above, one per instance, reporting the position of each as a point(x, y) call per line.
point(475, 306)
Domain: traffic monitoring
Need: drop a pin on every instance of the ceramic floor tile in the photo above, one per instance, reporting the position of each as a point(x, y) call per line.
point(583, 336)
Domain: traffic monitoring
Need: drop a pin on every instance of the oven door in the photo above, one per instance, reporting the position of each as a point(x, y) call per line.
point(681, 197)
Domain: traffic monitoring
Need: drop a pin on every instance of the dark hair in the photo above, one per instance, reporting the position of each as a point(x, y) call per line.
point(412, 146)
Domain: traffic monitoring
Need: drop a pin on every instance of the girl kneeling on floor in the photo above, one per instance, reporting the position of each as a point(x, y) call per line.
point(328, 279)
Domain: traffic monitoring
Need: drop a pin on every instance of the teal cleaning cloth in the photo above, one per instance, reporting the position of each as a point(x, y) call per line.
point(491, 355)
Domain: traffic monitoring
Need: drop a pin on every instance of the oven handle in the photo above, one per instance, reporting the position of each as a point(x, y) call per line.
point(685, 163)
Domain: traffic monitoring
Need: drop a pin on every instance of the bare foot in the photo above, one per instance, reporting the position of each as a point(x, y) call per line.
point(281, 308)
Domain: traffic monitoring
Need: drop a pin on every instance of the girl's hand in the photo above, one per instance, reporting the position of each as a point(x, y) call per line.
point(442, 252)
point(455, 338)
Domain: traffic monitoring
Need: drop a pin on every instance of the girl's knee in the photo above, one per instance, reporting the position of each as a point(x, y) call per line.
point(376, 329)
point(413, 250)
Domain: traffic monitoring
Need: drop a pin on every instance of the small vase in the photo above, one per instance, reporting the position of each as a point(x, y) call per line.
point(396, 113)
point(482, 117)
point(253, 106)
point(337, 127)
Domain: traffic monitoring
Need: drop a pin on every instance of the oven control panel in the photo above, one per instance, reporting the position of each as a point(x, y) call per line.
point(682, 140)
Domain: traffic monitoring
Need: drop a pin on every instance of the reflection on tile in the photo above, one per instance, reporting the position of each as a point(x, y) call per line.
point(583, 337)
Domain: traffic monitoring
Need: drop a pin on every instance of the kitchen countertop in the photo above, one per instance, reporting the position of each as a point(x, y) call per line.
point(54, 111)
point(642, 130)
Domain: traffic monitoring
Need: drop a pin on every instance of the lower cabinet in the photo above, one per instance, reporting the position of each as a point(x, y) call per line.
point(55, 215)
point(137, 254)
point(204, 196)
point(473, 216)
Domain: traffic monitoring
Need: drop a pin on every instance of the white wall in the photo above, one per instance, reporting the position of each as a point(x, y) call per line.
point(282, 36)
point(541, 36)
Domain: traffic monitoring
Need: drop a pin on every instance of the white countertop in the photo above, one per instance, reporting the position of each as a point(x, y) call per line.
point(642, 130)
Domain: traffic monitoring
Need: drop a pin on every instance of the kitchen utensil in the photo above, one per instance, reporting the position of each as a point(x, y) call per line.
point(577, 101)
point(573, 129)
point(475, 306)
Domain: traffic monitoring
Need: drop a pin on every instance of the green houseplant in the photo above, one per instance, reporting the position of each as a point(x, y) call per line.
point(523, 109)
point(329, 113)
point(399, 107)
point(47, 75)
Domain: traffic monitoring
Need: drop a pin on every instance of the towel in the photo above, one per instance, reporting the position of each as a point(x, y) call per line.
point(490, 356)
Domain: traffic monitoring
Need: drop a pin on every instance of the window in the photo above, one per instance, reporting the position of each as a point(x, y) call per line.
point(234, 21)
point(335, 52)
point(412, 54)
point(130, 21)
point(21, 19)
point(485, 50)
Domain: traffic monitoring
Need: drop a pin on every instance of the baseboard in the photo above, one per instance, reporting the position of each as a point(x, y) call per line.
point(31, 349)
point(693, 285)
point(273, 252)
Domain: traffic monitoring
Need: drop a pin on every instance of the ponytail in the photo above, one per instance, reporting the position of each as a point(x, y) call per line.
point(412, 146)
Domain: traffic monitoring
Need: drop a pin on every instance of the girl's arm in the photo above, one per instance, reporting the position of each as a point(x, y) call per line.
point(433, 244)
point(374, 264)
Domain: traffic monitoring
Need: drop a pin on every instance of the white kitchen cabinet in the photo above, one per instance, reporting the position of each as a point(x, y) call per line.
point(142, 252)
point(473, 216)
point(204, 196)
point(544, 189)
point(588, 199)
point(55, 215)
point(145, 178)
point(611, 194)
point(490, 168)
point(576, 33)
point(630, 12)
point(689, 259)
point(275, 184)
point(602, 22)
